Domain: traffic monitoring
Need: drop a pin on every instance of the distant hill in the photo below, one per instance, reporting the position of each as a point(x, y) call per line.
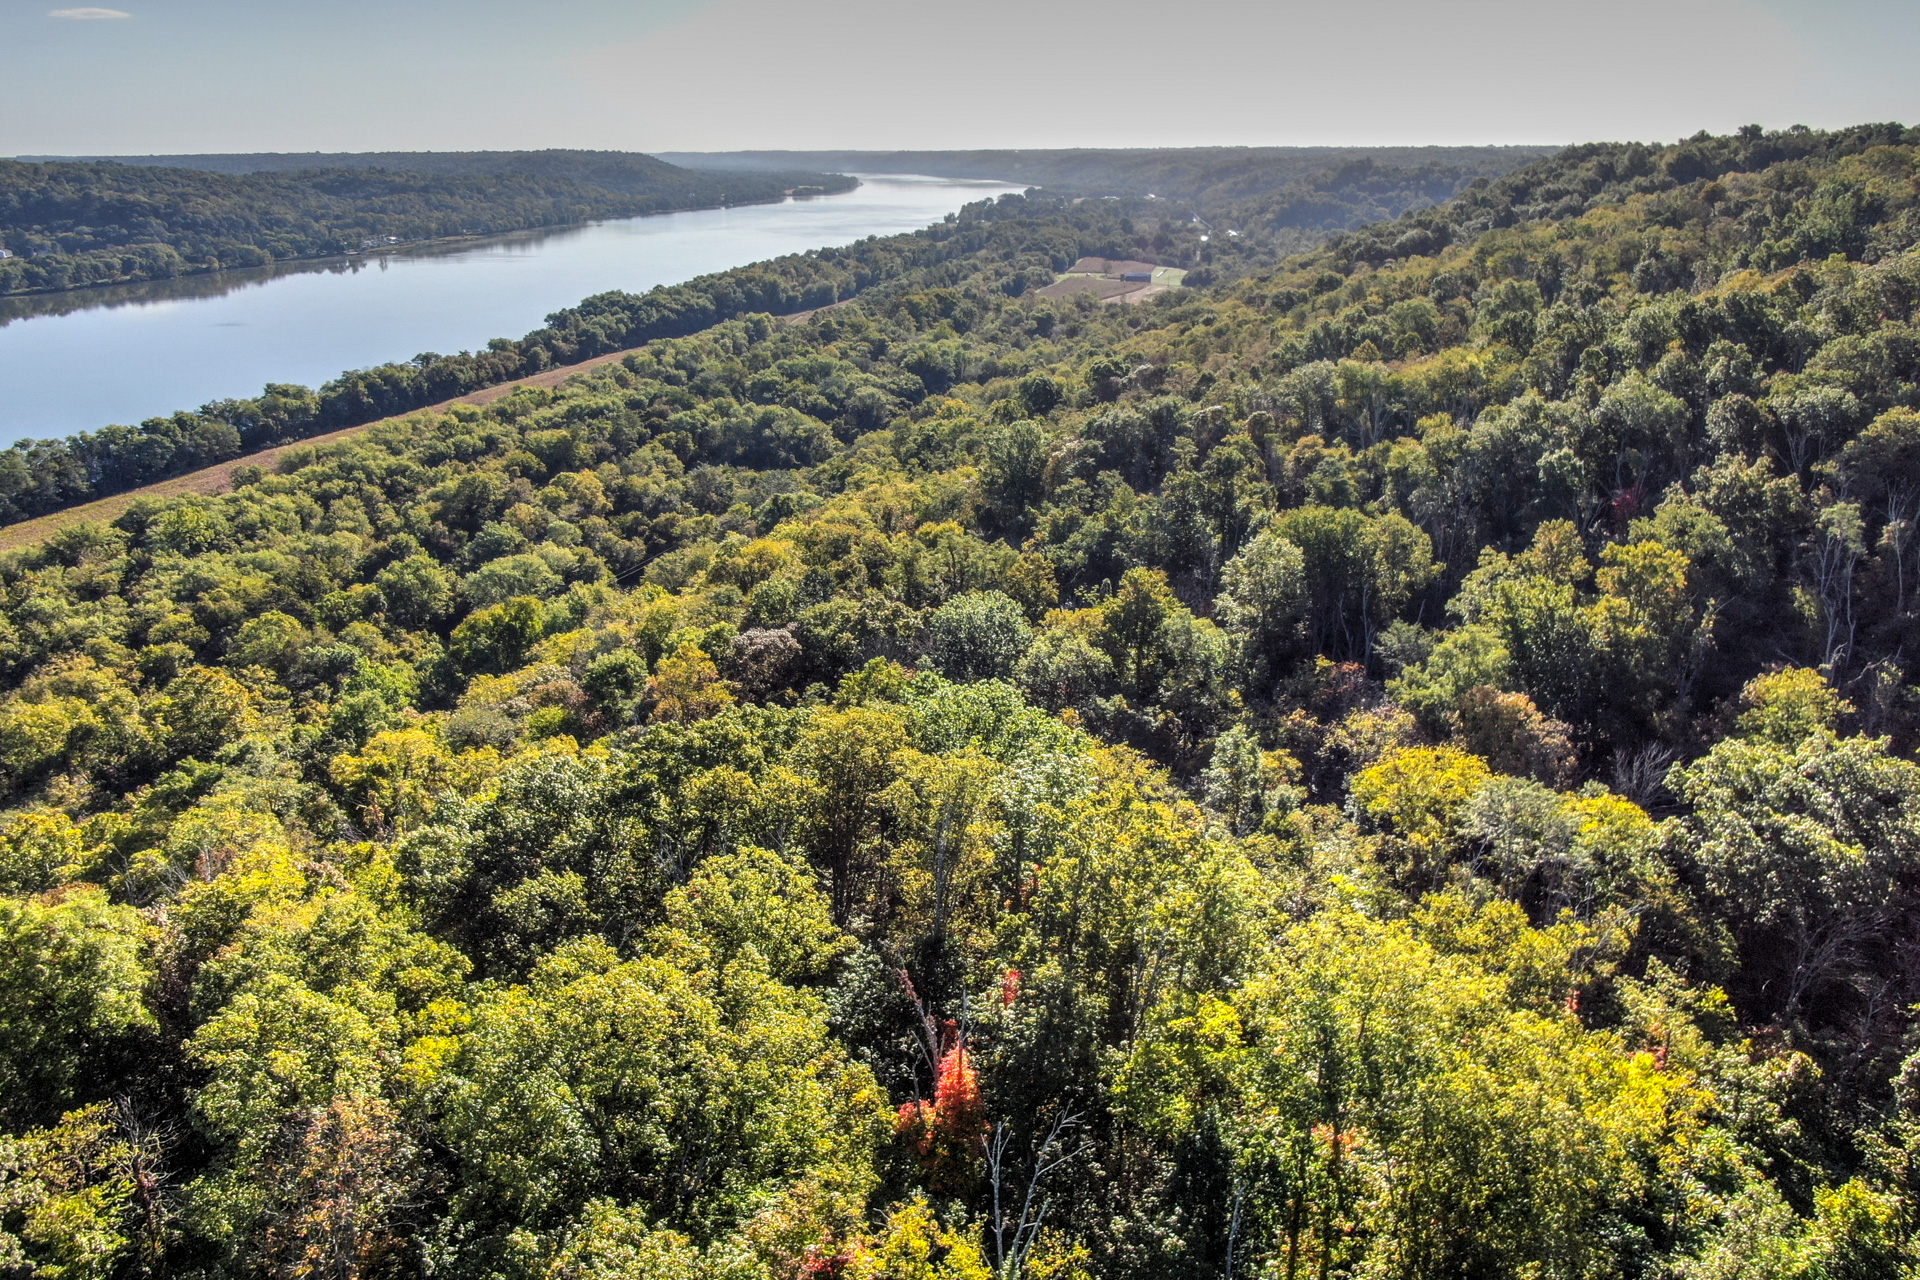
point(1204, 175)
point(627, 171)
point(1271, 200)
point(70, 223)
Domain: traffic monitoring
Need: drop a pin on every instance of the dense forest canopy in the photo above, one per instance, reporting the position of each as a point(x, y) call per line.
point(71, 224)
point(1398, 764)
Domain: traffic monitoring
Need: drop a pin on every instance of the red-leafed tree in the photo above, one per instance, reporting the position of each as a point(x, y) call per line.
point(949, 1133)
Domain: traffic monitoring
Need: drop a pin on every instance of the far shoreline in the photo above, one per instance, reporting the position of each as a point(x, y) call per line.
point(386, 250)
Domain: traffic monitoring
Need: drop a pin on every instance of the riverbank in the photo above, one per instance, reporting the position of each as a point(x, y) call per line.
point(83, 295)
point(147, 352)
point(219, 477)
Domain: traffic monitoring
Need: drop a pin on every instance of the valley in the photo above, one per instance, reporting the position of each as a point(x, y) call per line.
point(1390, 753)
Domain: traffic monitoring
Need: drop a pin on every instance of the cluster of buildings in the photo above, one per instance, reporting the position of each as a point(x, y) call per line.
point(1114, 280)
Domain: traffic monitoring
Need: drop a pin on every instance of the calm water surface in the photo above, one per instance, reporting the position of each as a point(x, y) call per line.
point(82, 360)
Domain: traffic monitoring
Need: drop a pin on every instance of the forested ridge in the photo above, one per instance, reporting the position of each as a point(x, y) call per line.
point(1271, 200)
point(1286, 202)
point(1204, 176)
point(1398, 763)
point(71, 224)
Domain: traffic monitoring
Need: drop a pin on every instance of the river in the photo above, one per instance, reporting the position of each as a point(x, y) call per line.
point(80, 360)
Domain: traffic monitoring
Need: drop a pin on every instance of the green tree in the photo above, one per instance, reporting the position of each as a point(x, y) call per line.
point(1063, 669)
point(1464, 659)
point(1263, 602)
point(1013, 479)
point(650, 1086)
point(497, 638)
point(617, 683)
point(272, 640)
point(39, 851)
point(981, 635)
point(73, 980)
point(202, 710)
point(1881, 468)
point(1360, 571)
point(1393, 1111)
point(80, 1200)
point(851, 758)
point(1802, 847)
point(417, 591)
point(1131, 625)
point(509, 578)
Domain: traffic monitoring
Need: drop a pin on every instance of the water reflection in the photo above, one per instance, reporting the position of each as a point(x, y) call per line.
point(216, 284)
point(209, 284)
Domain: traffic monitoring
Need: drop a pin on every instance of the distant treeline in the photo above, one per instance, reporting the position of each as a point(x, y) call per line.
point(1207, 177)
point(1282, 199)
point(72, 224)
point(629, 171)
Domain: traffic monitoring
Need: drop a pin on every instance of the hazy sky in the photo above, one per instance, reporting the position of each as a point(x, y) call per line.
point(260, 75)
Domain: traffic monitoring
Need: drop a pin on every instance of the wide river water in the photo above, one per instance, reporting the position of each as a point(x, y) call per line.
point(80, 360)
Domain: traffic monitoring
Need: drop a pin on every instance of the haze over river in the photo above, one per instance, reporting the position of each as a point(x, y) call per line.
point(77, 361)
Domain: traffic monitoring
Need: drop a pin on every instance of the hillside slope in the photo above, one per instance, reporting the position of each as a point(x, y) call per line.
point(1398, 764)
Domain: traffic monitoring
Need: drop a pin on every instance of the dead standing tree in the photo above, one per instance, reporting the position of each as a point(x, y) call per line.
point(1013, 1240)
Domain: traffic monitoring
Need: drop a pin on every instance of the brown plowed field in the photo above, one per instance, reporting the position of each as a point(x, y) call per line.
point(1105, 290)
